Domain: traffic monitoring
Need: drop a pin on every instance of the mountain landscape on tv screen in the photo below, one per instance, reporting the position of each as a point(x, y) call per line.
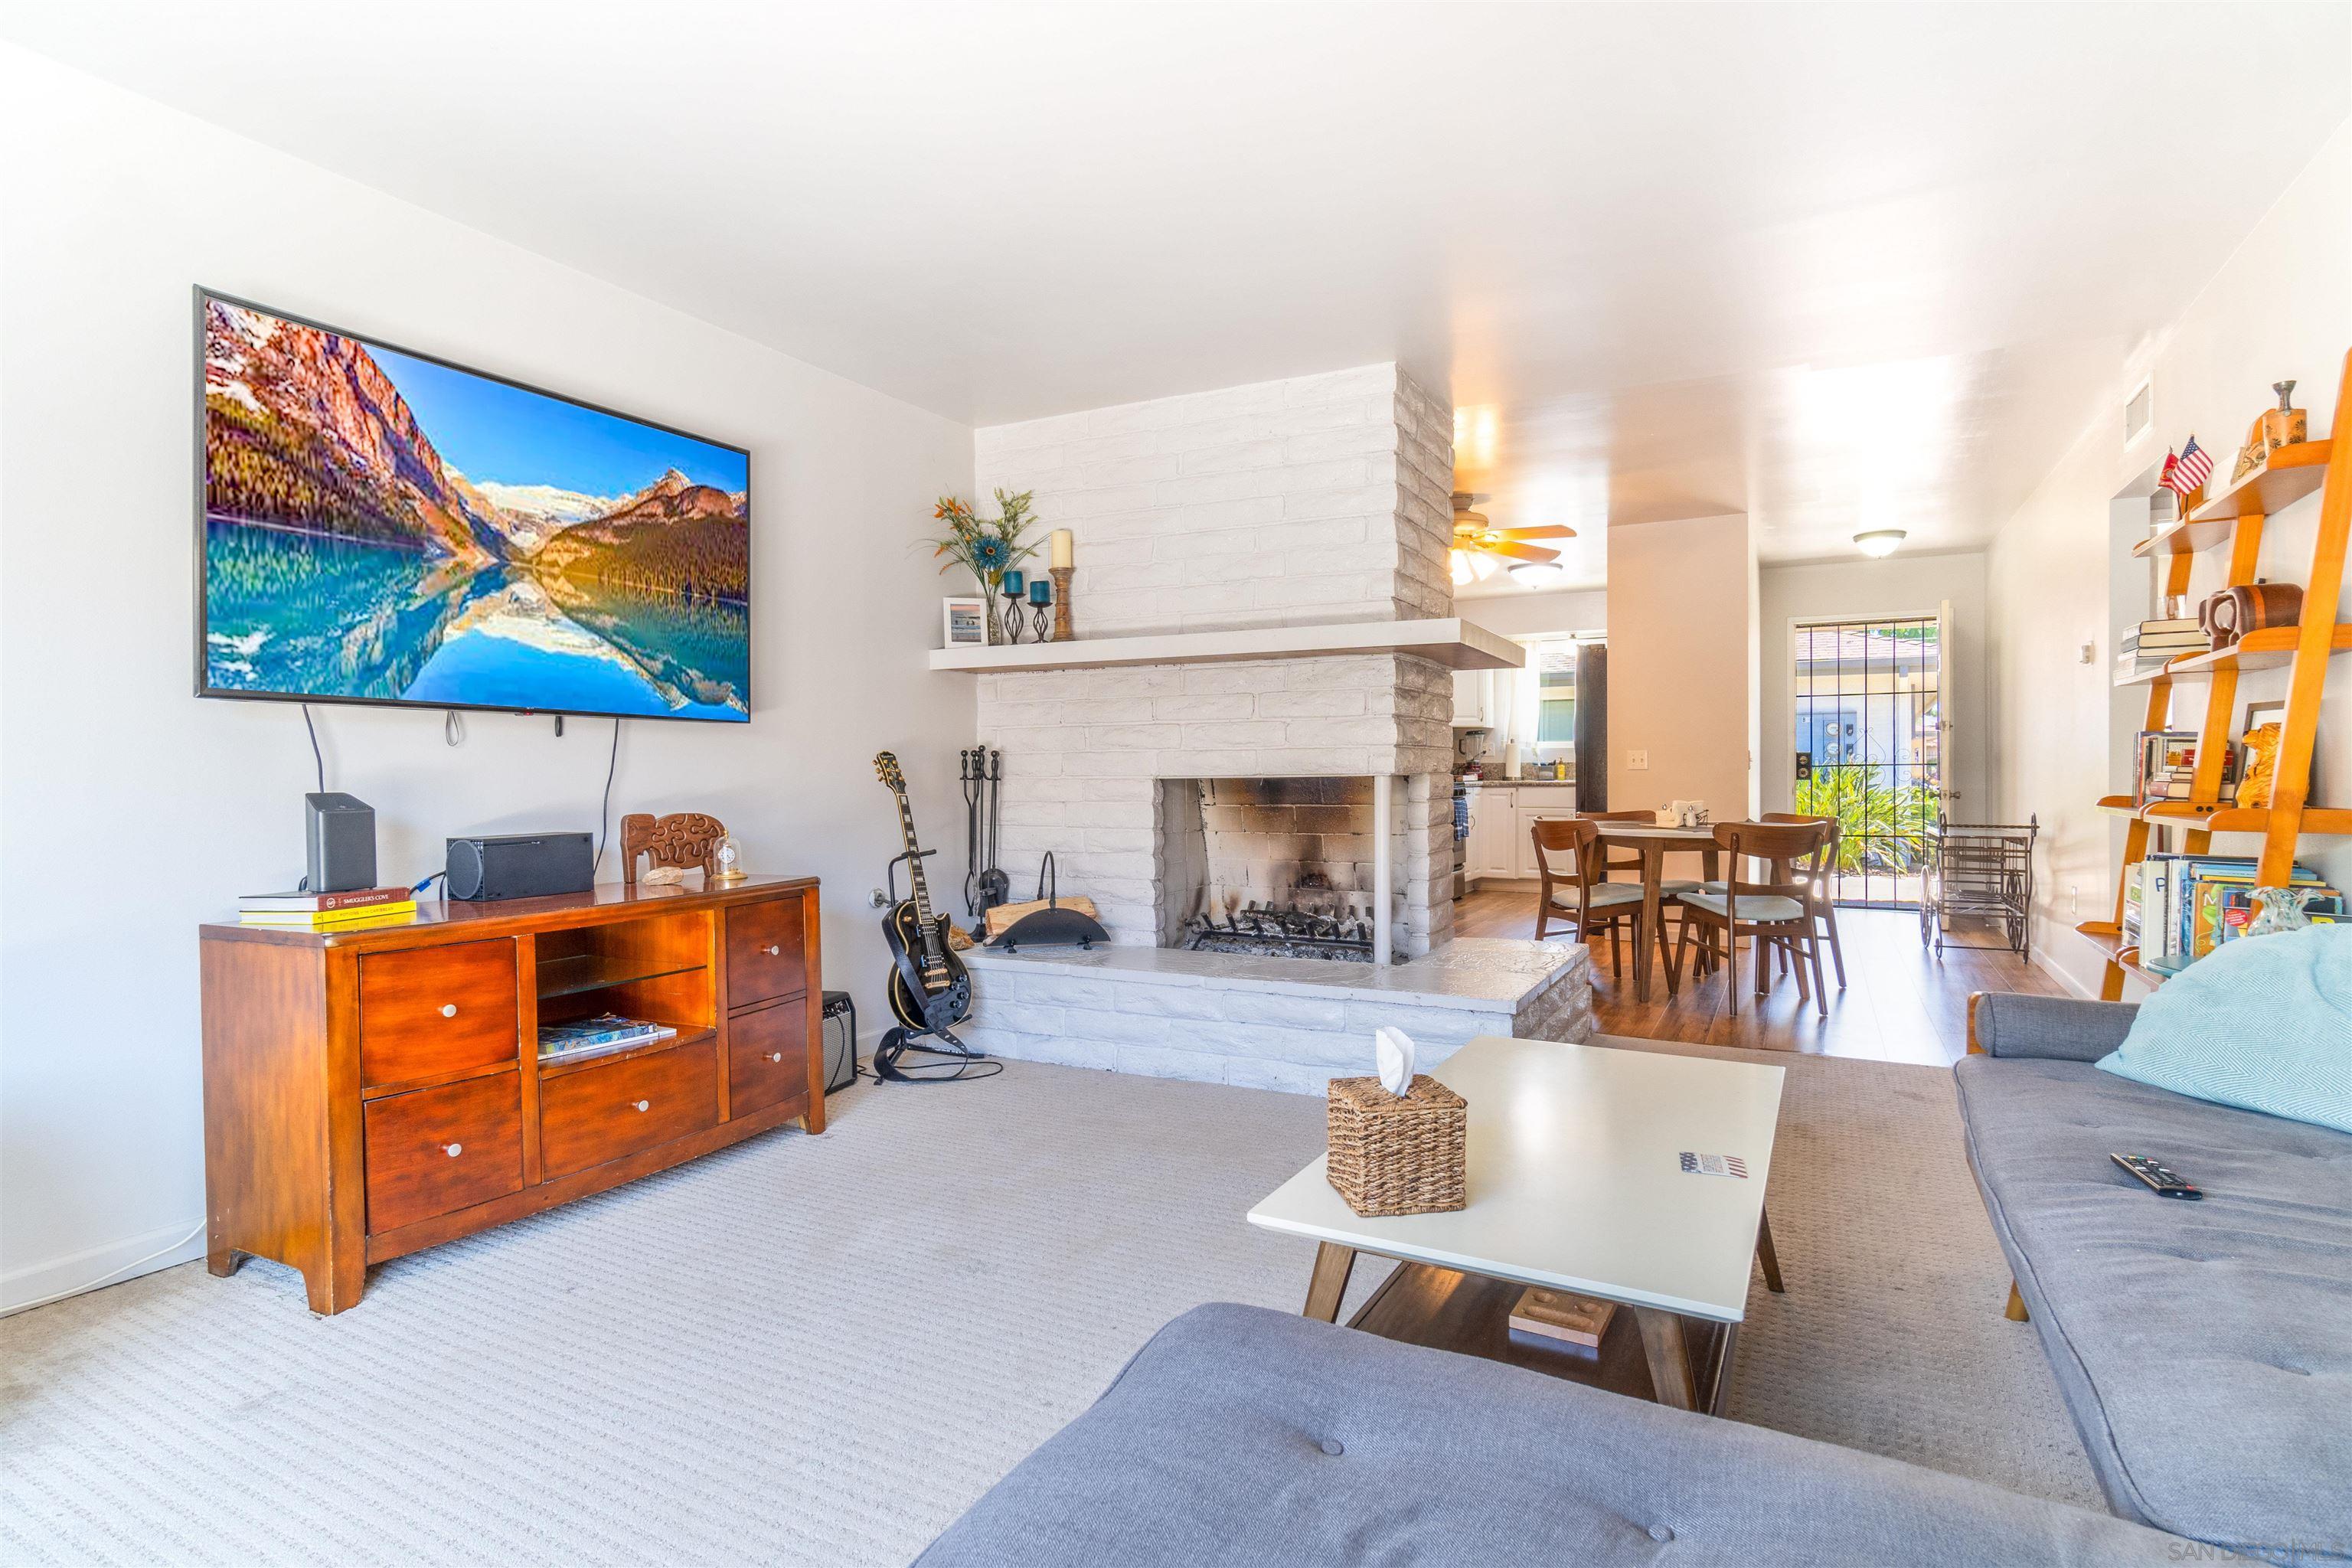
point(345, 556)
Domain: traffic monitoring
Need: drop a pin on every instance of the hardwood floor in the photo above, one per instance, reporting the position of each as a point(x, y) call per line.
point(1901, 1002)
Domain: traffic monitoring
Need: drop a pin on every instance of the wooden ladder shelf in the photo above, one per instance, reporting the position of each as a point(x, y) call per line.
point(2234, 519)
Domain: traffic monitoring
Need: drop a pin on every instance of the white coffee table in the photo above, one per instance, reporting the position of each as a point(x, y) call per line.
point(1576, 1184)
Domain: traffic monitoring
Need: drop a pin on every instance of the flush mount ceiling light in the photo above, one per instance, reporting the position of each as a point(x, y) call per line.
point(1878, 541)
point(1537, 574)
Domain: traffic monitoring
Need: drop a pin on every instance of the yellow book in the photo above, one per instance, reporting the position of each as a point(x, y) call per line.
point(324, 919)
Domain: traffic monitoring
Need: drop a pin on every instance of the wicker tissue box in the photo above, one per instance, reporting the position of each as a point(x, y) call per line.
point(1391, 1156)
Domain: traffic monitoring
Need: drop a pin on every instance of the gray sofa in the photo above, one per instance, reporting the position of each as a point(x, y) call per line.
point(1240, 1437)
point(2203, 1348)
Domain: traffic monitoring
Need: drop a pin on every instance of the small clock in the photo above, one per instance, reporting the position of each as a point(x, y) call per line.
point(730, 856)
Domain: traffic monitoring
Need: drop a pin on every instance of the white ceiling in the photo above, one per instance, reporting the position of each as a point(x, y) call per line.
point(1836, 266)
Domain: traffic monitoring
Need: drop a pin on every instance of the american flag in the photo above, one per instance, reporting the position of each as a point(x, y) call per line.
point(2194, 467)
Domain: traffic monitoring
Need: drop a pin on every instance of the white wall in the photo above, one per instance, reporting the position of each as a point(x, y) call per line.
point(1681, 658)
point(133, 810)
point(2281, 306)
point(1538, 615)
point(1897, 585)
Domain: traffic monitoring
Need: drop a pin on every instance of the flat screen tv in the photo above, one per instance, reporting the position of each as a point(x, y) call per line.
point(382, 526)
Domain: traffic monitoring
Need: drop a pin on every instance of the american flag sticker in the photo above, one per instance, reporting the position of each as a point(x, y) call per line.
point(1714, 1165)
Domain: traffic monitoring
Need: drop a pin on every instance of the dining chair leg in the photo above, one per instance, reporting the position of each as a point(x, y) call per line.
point(1674, 959)
point(1730, 972)
point(1804, 991)
point(1616, 958)
point(1761, 951)
point(1837, 954)
point(1821, 992)
point(1543, 917)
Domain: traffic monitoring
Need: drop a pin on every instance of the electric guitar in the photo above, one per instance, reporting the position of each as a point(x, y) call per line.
point(929, 988)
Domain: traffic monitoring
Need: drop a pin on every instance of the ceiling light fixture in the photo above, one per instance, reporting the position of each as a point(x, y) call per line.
point(1538, 574)
point(1878, 541)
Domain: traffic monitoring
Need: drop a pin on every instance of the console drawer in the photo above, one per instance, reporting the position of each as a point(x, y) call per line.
point(442, 1148)
point(767, 953)
point(767, 1058)
point(425, 1011)
point(600, 1112)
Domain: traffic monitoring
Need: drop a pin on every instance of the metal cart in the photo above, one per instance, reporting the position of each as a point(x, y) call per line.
point(1981, 870)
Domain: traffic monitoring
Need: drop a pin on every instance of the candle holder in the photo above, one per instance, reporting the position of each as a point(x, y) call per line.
point(1061, 629)
point(1040, 601)
point(1011, 590)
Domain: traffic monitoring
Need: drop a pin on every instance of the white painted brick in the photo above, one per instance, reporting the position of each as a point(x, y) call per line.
point(1202, 706)
point(1266, 453)
point(1232, 734)
point(1281, 1008)
point(1291, 1077)
point(1170, 1061)
point(1126, 1028)
point(1336, 703)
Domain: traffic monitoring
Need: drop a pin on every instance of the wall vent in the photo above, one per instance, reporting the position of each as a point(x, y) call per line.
point(2139, 413)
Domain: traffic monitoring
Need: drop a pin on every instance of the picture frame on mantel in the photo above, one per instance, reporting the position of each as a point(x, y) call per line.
point(963, 621)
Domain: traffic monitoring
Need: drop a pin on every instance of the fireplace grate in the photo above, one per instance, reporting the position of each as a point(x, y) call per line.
point(1284, 931)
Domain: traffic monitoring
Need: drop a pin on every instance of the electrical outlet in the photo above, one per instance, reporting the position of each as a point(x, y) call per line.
point(1637, 761)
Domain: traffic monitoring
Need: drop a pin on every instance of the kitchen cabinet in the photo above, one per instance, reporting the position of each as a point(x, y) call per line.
point(1493, 820)
point(1536, 803)
point(1474, 699)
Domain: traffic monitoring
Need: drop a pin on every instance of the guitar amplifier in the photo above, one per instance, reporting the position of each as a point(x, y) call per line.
point(522, 865)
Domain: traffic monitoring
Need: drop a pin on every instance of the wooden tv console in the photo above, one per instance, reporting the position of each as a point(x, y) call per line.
point(371, 1092)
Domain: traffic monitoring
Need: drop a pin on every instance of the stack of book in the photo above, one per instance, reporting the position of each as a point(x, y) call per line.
point(2164, 765)
point(2178, 907)
point(2156, 644)
point(328, 911)
point(594, 1036)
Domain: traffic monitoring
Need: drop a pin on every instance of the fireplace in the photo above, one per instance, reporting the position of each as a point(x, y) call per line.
point(1283, 867)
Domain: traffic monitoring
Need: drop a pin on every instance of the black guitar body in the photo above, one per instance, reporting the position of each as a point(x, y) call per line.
point(924, 1004)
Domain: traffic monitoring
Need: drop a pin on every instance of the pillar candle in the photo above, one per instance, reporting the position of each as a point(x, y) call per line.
point(1063, 547)
point(1012, 584)
point(1041, 592)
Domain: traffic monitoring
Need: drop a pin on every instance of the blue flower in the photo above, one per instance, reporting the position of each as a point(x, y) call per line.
point(990, 554)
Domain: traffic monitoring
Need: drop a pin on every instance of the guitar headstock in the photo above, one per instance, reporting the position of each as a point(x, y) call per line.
point(886, 768)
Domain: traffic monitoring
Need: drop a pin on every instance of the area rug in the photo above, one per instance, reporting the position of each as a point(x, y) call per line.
point(822, 1350)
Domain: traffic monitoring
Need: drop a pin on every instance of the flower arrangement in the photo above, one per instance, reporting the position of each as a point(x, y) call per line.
point(987, 548)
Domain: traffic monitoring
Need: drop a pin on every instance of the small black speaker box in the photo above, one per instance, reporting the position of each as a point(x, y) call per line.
point(521, 865)
point(338, 842)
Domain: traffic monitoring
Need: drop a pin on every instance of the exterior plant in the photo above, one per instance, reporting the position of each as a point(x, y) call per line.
point(987, 548)
point(1897, 818)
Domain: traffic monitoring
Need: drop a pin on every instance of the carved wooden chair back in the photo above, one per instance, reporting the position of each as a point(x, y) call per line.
point(1631, 859)
point(684, 838)
point(1793, 851)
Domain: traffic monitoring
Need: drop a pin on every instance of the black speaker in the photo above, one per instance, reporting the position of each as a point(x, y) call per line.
point(521, 865)
point(338, 842)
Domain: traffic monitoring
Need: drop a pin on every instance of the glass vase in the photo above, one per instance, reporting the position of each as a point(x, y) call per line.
point(2277, 909)
point(995, 618)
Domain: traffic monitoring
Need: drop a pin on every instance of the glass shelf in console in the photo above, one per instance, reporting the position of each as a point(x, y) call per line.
point(579, 972)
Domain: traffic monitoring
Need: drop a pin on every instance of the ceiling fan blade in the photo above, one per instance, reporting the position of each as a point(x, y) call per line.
point(1548, 531)
point(1520, 551)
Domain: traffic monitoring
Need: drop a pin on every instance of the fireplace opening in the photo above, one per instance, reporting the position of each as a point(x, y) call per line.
point(1275, 866)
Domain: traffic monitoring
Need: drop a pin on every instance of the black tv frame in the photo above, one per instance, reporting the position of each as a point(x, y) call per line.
point(203, 688)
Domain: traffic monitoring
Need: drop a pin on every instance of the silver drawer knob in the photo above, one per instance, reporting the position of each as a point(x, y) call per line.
point(448, 1009)
point(453, 1150)
point(645, 1105)
point(775, 951)
point(775, 1056)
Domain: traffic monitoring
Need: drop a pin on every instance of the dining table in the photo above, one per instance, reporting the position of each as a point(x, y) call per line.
point(1656, 841)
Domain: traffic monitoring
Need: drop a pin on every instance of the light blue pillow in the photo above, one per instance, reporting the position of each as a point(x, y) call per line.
point(2263, 1023)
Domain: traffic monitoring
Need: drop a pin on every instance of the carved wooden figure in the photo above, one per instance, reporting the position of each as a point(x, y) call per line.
point(682, 838)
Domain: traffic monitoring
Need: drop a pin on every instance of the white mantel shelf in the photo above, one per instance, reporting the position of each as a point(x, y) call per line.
point(1457, 644)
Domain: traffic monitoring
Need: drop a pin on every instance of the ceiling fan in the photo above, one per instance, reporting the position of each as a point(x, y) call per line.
point(1472, 532)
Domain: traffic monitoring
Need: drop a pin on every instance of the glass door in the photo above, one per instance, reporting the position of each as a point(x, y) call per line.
point(1869, 743)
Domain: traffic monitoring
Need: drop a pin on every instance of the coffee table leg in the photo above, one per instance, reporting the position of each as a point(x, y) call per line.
point(1328, 1283)
point(1765, 1252)
point(1669, 1357)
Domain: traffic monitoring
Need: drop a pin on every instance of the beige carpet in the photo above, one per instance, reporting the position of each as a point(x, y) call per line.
point(819, 1351)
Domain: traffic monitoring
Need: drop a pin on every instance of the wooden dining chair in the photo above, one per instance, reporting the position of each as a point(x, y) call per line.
point(1575, 887)
point(1766, 912)
point(1669, 887)
point(1824, 904)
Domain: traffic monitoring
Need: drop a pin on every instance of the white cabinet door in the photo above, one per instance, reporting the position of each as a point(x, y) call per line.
point(1539, 805)
point(1474, 699)
point(1492, 822)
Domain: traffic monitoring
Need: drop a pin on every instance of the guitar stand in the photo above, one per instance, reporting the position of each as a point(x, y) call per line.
point(958, 1061)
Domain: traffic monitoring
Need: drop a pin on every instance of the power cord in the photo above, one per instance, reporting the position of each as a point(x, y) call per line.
point(316, 755)
point(604, 812)
point(109, 1277)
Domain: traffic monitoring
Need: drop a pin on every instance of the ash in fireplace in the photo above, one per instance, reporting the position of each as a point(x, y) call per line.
point(1285, 930)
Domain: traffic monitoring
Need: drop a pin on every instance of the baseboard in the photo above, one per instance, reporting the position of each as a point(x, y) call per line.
point(38, 1284)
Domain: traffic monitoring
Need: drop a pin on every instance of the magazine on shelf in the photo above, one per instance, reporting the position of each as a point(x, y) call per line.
point(605, 1032)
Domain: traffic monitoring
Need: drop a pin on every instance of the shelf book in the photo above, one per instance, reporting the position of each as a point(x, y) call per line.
point(2182, 794)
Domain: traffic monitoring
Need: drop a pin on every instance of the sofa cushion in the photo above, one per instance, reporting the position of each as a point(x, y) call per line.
point(1241, 1436)
point(2204, 1348)
point(2264, 1024)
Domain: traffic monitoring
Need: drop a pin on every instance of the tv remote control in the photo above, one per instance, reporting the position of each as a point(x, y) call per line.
point(2163, 1178)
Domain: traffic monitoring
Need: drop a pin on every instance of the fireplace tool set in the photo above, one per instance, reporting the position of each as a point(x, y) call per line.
point(984, 887)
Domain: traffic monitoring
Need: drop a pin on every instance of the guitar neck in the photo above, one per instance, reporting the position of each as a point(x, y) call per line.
point(914, 860)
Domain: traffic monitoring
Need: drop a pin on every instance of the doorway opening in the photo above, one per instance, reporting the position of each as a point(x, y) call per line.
point(1869, 747)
